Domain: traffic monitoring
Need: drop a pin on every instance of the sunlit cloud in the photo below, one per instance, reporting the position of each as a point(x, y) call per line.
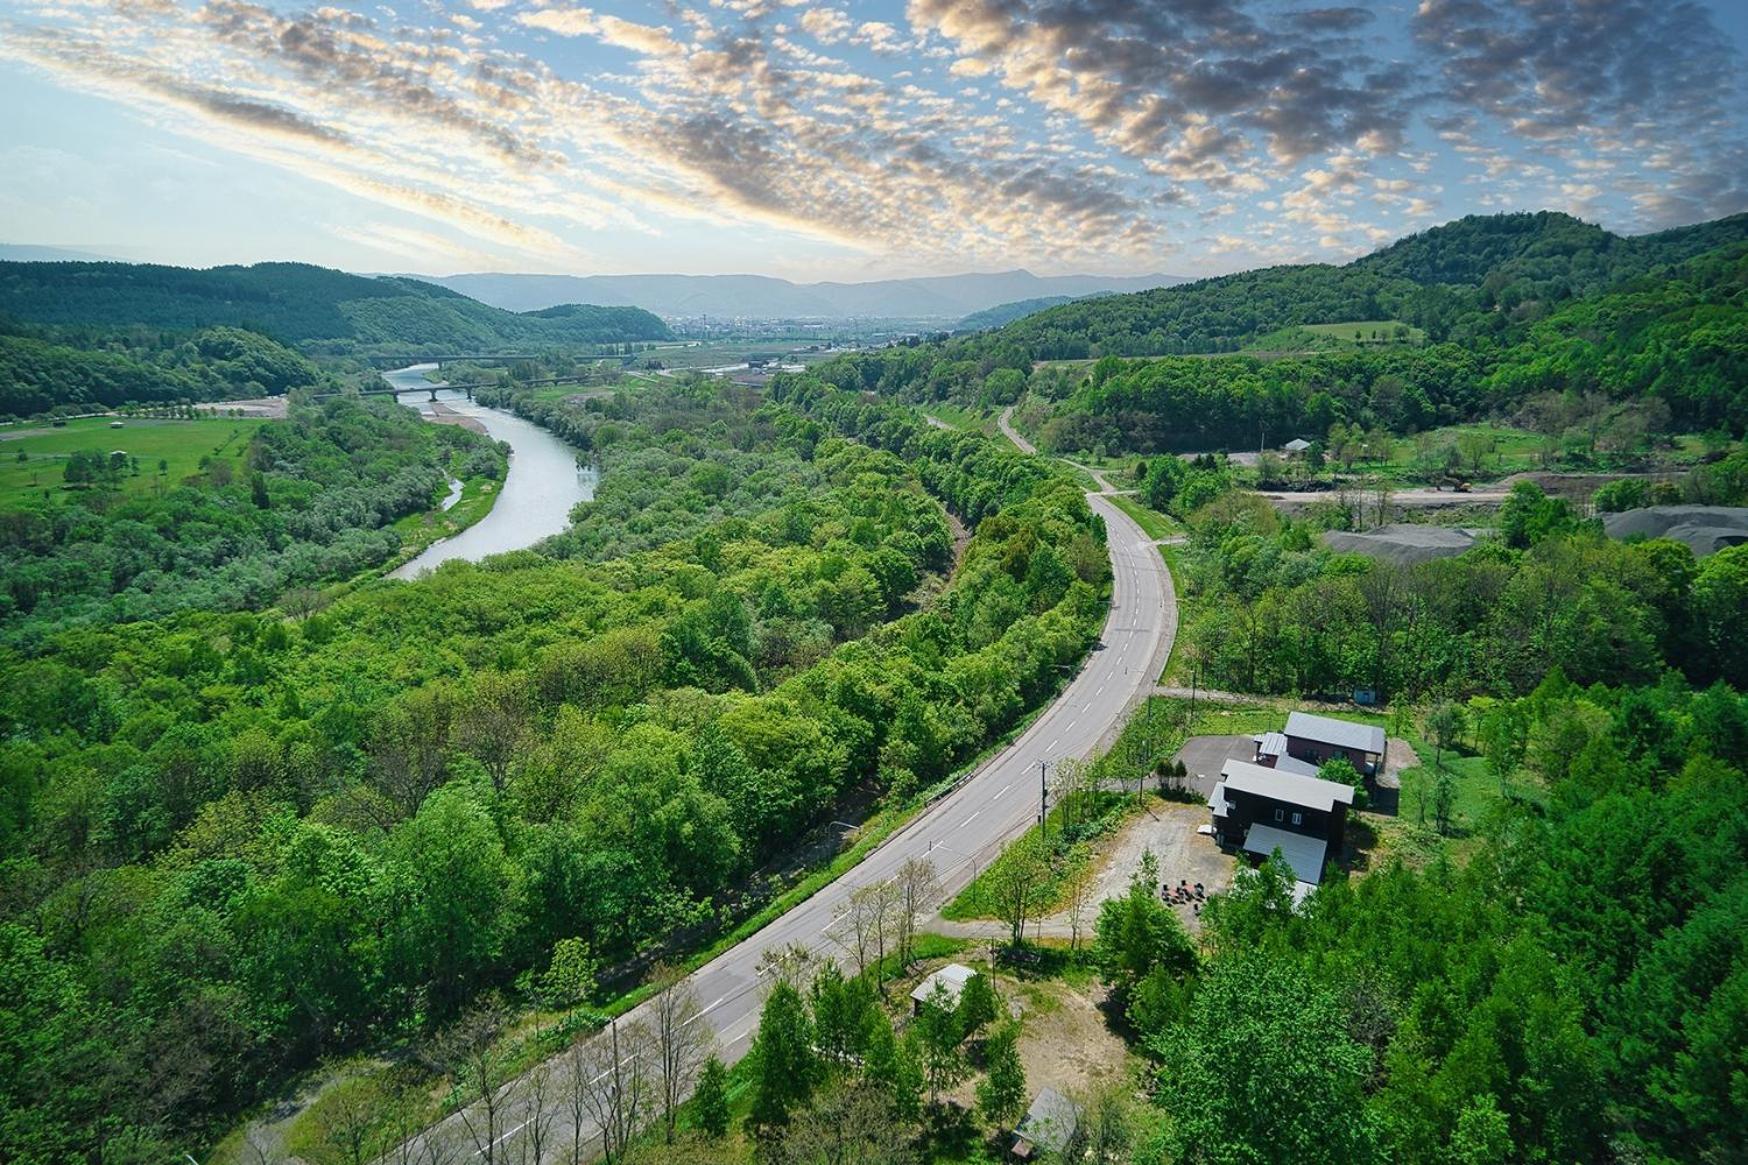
point(932, 133)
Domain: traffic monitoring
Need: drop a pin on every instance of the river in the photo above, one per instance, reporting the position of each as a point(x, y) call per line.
point(535, 499)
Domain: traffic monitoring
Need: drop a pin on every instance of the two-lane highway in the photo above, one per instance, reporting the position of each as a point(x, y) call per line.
point(964, 830)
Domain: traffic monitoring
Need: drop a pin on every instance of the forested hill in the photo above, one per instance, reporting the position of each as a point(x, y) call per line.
point(298, 303)
point(1546, 247)
point(1473, 278)
point(1007, 313)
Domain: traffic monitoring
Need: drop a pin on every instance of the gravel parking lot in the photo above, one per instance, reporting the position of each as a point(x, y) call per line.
point(1168, 830)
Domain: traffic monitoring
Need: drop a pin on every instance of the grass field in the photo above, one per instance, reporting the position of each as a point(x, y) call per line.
point(1361, 332)
point(964, 420)
point(1301, 338)
point(179, 444)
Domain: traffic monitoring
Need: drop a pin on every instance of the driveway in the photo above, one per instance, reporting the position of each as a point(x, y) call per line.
point(1205, 756)
point(1167, 830)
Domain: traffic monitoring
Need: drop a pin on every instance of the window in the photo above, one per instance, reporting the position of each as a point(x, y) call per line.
point(1298, 819)
point(1279, 813)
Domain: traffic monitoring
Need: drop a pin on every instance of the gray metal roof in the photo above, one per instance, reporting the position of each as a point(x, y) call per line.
point(1303, 854)
point(953, 976)
point(1292, 764)
point(1341, 733)
point(1271, 744)
point(1280, 785)
point(1217, 799)
point(1051, 1121)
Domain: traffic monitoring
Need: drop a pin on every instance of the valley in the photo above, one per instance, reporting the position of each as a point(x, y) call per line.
point(600, 771)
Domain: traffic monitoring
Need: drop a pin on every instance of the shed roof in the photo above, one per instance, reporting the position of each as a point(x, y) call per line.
point(953, 976)
point(1303, 854)
point(1292, 764)
point(1271, 744)
point(1341, 733)
point(1297, 445)
point(1281, 785)
point(1051, 1121)
point(1217, 799)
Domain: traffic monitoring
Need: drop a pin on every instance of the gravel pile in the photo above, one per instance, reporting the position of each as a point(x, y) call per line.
point(1704, 529)
point(1403, 543)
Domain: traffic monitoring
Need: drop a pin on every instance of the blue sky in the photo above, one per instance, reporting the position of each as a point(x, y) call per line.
point(851, 140)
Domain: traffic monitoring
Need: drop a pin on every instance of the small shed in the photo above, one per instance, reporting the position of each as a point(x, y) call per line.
point(1297, 447)
point(953, 977)
point(1050, 1124)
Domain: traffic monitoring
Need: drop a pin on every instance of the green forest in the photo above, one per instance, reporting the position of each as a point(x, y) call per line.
point(305, 501)
point(1277, 611)
point(296, 303)
point(274, 825)
point(238, 842)
point(1562, 313)
point(46, 370)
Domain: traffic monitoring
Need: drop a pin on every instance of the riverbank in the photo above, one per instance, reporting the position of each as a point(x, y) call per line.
point(540, 489)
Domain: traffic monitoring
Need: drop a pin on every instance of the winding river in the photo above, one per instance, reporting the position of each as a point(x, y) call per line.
point(536, 497)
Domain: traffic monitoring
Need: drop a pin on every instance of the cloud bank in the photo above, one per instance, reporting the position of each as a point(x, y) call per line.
point(1052, 132)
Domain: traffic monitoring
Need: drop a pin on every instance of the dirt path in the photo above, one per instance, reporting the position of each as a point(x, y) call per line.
point(1176, 693)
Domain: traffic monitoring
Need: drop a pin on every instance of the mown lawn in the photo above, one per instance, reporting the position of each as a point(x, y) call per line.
point(33, 455)
point(1362, 332)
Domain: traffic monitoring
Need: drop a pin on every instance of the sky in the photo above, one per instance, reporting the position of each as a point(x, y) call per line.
point(852, 140)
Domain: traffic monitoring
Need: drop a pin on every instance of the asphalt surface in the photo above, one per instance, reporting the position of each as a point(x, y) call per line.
point(1205, 756)
point(1006, 421)
point(959, 833)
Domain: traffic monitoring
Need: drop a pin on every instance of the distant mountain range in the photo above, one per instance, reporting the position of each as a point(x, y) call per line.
point(942, 297)
point(30, 253)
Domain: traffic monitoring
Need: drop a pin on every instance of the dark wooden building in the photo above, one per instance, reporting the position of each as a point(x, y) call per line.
point(1315, 739)
point(1258, 809)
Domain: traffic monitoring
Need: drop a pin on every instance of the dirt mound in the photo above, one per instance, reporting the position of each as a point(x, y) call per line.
point(1704, 529)
point(1403, 543)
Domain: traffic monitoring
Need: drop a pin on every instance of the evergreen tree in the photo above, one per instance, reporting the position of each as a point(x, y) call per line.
point(1002, 1092)
point(712, 1098)
point(978, 1005)
point(939, 1034)
point(892, 1065)
point(786, 1067)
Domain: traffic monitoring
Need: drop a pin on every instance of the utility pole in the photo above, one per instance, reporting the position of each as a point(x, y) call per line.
point(1043, 801)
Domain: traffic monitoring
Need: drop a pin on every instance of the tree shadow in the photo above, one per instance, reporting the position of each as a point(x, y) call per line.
point(950, 1131)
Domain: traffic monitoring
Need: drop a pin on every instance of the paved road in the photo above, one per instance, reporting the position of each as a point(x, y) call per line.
point(1007, 427)
point(1418, 497)
point(964, 830)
